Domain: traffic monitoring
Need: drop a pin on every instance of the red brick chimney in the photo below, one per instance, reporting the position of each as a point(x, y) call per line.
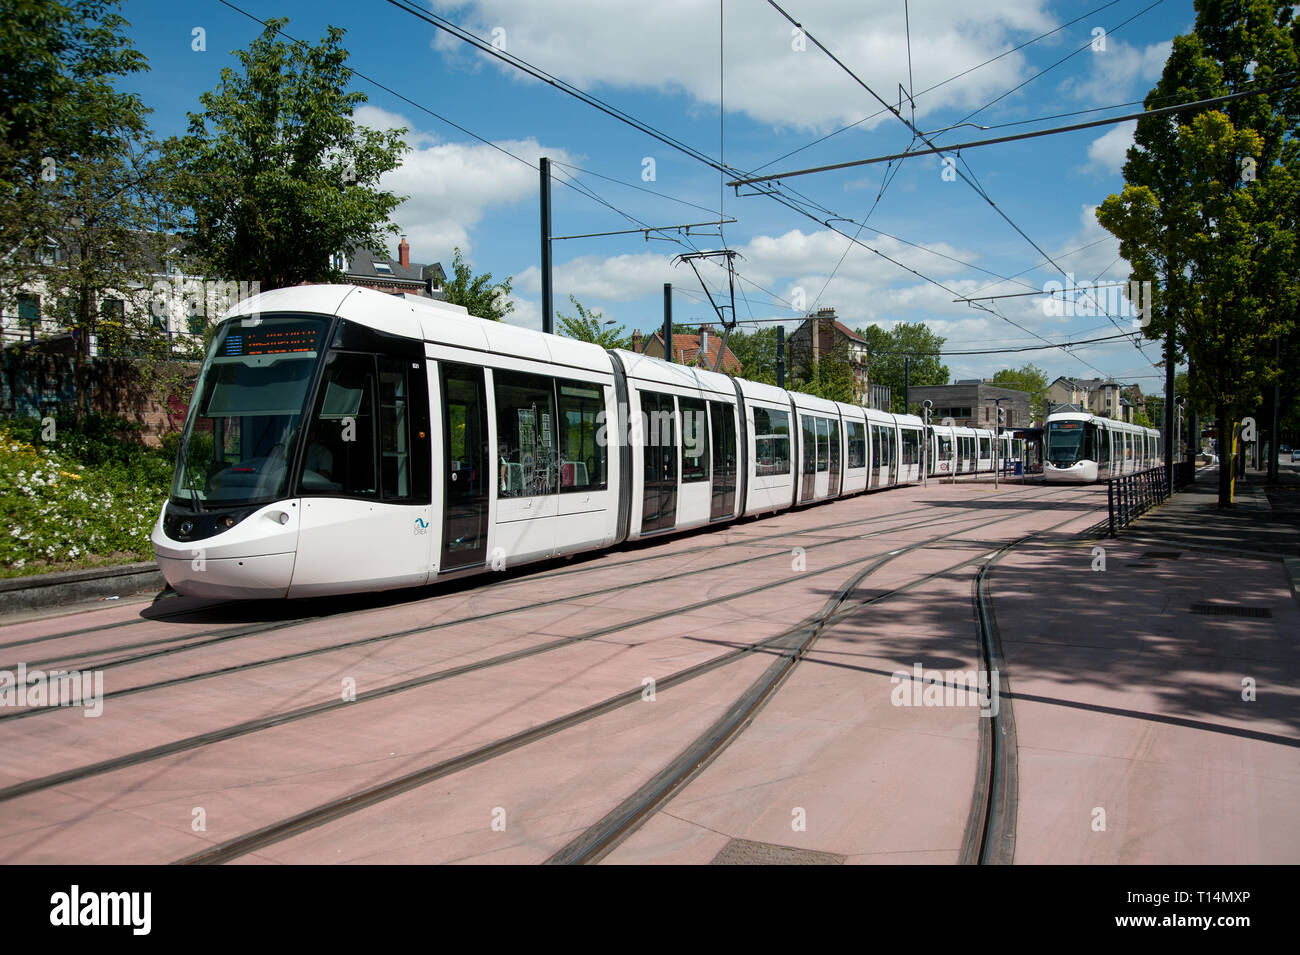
point(404, 253)
point(636, 340)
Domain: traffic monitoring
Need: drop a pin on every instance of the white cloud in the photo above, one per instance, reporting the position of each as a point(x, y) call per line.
point(453, 185)
point(1106, 153)
point(672, 46)
point(1119, 73)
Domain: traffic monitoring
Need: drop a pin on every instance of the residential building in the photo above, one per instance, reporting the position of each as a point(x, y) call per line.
point(173, 299)
point(689, 349)
point(974, 404)
point(823, 336)
point(375, 270)
point(1099, 396)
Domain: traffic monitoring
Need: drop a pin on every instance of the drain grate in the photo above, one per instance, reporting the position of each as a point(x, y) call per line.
point(1230, 610)
point(744, 852)
point(1162, 555)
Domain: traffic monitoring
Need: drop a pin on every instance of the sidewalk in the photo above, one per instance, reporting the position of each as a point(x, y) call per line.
point(1263, 519)
point(1156, 681)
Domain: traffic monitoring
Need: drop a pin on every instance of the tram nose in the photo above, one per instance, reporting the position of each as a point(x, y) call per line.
point(253, 558)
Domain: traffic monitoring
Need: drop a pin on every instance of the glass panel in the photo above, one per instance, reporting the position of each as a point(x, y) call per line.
point(823, 444)
point(809, 440)
point(582, 458)
point(466, 470)
point(528, 455)
point(247, 411)
point(395, 429)
point(857, 445)
point(695, 440)
point(771, 442)
point(341, 440)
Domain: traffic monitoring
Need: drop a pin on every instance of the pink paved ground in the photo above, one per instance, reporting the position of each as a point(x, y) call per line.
point(1130, 705)
point(875, 782)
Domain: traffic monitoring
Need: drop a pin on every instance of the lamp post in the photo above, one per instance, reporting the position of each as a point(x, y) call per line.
point(997, 438)
point(1178, 432)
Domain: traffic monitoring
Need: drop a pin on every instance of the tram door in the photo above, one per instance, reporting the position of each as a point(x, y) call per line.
point(808, 488)
point(723, 423)
point(659, 497)
point(834, 432)
point(464, 467)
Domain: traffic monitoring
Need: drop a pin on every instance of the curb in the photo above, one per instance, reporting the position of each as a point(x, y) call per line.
point(70, 586)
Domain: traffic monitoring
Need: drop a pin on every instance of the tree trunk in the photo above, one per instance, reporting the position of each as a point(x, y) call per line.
point(1223, 423)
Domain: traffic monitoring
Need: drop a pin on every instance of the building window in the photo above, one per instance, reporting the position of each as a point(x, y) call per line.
point(29, 310)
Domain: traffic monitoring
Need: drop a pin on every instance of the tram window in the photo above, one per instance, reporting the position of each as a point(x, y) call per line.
point(341, 447)
point(985, 448)
point(911, 447)
point(945, 447)
point(582, 458)
point(857, 445)
point(809, 443)
point(403, 431)
point(883, 444)
point(771, 442)
point(527, 455)
point(695, 440)
point(823, 444)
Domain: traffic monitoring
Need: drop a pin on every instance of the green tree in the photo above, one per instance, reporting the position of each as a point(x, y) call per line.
point(1028, 378)
point(756, 352)
point(60, 117)
point(276, 173)
point(1208, 211)
point(476, 292)
point(589, 326)
point(86, 219)
point(907, 351)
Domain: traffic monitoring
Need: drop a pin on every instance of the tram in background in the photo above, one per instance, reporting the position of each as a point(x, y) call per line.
point(1081, 448)
point(343, 440)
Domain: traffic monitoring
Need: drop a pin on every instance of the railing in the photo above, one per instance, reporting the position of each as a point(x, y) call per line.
point(1131, 495)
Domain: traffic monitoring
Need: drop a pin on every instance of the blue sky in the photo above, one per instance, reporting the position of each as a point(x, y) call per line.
point(661, 63)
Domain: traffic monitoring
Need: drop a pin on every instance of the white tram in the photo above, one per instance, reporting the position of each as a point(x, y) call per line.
point(343, 440)
point(1081, 448)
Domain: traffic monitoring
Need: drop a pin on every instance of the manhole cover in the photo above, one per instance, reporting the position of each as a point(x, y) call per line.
point(744, 852)
point(1231, 610)
point(1162, 555)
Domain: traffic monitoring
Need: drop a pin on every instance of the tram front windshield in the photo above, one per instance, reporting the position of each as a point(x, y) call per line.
point(247, 409)
point(1065, 442)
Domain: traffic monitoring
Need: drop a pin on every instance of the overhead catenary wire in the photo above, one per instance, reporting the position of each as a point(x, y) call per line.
point(924, 138)
point(674, 143)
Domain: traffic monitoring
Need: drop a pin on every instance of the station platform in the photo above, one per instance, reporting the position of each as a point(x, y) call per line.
point(1156, 684)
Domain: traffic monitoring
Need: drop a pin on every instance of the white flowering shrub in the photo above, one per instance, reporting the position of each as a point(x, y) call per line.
point(60, 512)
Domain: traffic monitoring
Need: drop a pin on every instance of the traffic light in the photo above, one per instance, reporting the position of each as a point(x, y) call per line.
point(1002, 418)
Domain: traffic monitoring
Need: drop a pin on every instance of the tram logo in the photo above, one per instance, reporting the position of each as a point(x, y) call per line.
point(946, 688)
point(421, 526)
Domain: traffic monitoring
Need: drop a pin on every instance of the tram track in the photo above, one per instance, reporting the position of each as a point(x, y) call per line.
point(790, 644)
point(528, 575)
point(198, 643)
point(196, 741)
point(601, 838)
